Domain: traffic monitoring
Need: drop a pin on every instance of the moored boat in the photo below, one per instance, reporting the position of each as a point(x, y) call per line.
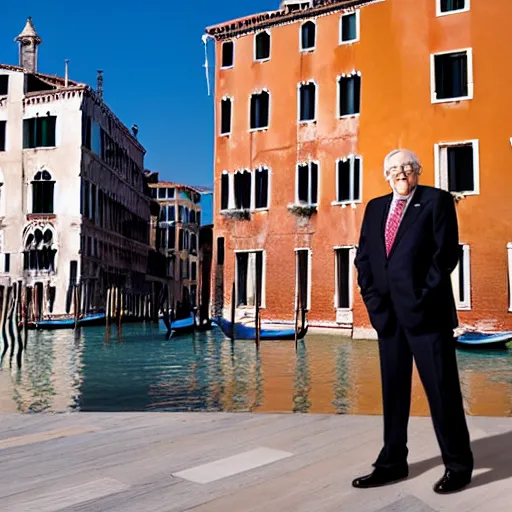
point(484, 340)
point(67, 323)
point(181, 326)
point(246, 332)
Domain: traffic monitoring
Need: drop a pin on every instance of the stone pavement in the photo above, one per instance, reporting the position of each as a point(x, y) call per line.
point(230, 462)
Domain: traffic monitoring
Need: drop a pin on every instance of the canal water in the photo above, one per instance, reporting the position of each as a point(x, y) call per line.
point(139, 370)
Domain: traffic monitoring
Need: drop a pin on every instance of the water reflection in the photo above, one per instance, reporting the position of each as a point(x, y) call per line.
point(137, 369)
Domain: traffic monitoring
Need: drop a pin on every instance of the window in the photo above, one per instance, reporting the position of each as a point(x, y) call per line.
point(452, 76)
point(42, 192)
point(193, 243)
point(249, 275)
point(5, 262)
point(39, 132)
point(509, 253)
point(344, 264)
point(349, 95)
point(260, 106)
point(165, 193)
point(262, 46)
point(228, 53)
point(303, 278)
point(224, 191)
point(308, 36)
point(181, 240)
point(39, 253)
point(457, 167)
point(348, 180)
point(261, 188)
point(307, 183)
point(243, 190)
point(461, 279)
point(451, 6)
point(349, 28)
point(225, 116)
point(193, 271)
point(4, 85)
point(307, 102)
point(3, 130)
point(220, 250)
point(167, 214)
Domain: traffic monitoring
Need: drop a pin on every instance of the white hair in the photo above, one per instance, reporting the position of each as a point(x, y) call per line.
point(413, 160)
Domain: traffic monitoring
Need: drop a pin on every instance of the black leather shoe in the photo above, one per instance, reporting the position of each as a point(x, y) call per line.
point(380, 477)
point(452, 481)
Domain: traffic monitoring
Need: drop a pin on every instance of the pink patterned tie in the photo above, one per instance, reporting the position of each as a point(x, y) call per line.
point(393, 223)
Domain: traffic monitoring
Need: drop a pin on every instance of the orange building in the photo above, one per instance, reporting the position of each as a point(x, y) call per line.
point(310, 98)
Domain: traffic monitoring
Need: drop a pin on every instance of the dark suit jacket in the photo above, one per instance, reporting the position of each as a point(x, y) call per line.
point(412, 285)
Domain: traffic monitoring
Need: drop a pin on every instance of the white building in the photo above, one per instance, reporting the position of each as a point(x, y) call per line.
point(74, 206)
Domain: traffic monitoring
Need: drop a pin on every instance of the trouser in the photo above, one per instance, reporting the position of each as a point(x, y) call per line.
point(434, 355)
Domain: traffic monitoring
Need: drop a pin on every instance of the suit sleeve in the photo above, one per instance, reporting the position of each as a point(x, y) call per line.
point(446, 241)
point(362, 259)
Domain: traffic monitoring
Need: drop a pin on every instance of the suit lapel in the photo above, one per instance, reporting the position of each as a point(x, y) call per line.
point(384, 217)
point(414, 208)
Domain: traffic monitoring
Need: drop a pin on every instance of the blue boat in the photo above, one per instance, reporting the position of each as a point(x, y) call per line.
point(245, 332)
point(181, 326)
point(68, 323)
point(484, 340)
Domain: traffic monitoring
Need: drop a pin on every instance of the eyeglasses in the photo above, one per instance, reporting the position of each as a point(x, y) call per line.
point(395, 171)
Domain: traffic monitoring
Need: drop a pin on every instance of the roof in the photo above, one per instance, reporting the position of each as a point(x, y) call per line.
point(60, 84)
point(195, 188)
point(29, 32)
point(49, 79)
point(248, 24)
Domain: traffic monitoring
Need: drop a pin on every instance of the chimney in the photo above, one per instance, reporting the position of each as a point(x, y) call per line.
point(29, 42)
point(66, 72)
point(99, 83)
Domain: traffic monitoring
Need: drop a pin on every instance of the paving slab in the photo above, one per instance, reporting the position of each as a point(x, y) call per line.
point(230, 462)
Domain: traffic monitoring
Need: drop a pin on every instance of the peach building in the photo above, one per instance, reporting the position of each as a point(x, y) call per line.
point(310, 98)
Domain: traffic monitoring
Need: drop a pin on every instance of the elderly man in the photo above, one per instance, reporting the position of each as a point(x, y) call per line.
point(407, 250)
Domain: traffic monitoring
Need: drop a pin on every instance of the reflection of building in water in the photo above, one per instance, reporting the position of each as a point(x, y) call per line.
point(49, 378)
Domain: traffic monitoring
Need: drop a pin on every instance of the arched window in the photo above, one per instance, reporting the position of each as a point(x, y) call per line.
point(42, 192)
point(39, 250)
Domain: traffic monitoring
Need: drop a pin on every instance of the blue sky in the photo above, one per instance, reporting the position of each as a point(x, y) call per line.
point(152, 57)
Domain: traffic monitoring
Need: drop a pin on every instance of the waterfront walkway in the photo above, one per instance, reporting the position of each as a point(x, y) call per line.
point(151, 462)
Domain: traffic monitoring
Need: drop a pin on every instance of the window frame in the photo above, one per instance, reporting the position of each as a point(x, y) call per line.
point(269, 46)
point(263, 298)
point(222, 54)
point(351, 158)
point(439, 147)
point(256, 93)
point(338, 94)
point(228, 174)
point(299, 88)
point(312, 48)
point(357, 13)
point(308, 162)
point(310, 274)
point(36, 131)
point(439, 13)
point(351, 276)
point(253, 185)
point(466, 260)
point(231, 100)
point(470, 77)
